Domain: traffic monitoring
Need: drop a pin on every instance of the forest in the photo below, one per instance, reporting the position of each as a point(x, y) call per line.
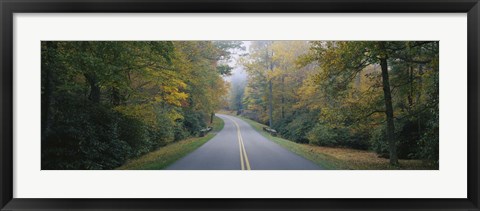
point(380, 96)
point(104, 102)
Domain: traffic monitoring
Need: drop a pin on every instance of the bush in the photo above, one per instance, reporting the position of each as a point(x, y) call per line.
point(409, 141)
point(86, 135)
point(193, 121)
point(407, 136)
point(84, 138)
point(356, 139)
point(379, 142)
point(280, 126)
point(164, 132)
point(296, 126)
point(428, 145)
point(323, 135)
point(136, 134)
point(181, 132)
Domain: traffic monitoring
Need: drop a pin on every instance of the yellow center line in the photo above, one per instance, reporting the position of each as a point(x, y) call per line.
point(243, 152)
point(240, 148)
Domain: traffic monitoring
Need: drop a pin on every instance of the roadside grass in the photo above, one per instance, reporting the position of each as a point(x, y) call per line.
point(341, 158)
point(168, 154)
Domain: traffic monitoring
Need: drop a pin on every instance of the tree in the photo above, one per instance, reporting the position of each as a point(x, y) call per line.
point(259, 66)
point(106, 102)
point(373, 95)
point(341, 62)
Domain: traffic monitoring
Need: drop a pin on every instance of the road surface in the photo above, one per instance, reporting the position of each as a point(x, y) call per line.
point(240, 147)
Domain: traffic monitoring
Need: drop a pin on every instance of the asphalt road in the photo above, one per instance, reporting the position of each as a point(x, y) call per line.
point(240, 147)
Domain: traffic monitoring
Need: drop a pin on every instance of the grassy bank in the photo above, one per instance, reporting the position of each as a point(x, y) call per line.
point(167, 155)
point(340, 158)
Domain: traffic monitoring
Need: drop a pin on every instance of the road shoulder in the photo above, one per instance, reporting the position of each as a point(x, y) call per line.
point(169, 154)
point(339, 158)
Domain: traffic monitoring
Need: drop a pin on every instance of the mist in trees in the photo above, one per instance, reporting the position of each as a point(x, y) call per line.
point(371, 95)
point(106, 102)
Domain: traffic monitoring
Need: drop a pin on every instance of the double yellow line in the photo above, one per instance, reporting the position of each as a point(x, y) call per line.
point(243, 153)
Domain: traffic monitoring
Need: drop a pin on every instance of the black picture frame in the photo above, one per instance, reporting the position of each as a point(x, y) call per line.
point(9, 7)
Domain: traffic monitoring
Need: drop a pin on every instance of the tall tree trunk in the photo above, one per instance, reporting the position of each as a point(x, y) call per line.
point(283, 96)
point(48, 97)
point(270, 103)
point(115, 97)
point(389, 112)
point(94, 95)
point(410, 93)
point(270, 91)
point(419, 95)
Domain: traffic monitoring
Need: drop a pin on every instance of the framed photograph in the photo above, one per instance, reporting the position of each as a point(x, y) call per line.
point(228, 105)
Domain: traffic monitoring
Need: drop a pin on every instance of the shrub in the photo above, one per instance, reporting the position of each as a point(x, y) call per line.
point(410, 144)
point(136, 134)
point(379, 142)
point(193, 121)
point(428, 145)
point(296, 126)
point(84, 137)
point(356, 139)
point(164, 132)
point(325, 135)
point(322, 135)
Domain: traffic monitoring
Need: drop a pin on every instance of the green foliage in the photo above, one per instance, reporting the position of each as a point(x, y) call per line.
point(194, 121)
point(85, 137)
point(417, 138)
point(344, 80)
point(136, 134)
point(106, 102)
point(428, 144)
point(296, 126)
point(323, 135)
